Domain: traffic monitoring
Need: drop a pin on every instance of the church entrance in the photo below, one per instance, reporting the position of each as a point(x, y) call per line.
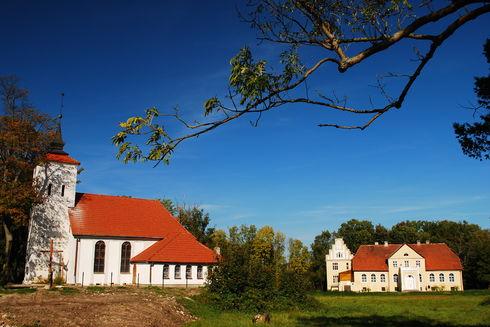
point(409, 283)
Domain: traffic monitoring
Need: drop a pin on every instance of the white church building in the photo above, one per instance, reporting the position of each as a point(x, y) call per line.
point(103, 239)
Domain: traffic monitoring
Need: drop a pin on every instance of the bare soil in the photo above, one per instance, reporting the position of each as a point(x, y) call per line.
point(94, 307)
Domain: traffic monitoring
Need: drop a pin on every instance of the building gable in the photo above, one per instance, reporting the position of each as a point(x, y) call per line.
point(405, 252)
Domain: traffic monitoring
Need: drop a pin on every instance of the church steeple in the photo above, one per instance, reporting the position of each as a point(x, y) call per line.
point(57, 144)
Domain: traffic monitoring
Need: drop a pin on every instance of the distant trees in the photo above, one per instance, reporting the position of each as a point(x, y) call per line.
point(25, 135)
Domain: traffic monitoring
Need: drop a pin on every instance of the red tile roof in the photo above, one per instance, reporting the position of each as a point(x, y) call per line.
point(373, 257)
point(438, 256)
point(62, 158)
point(120, 216)
point(178, 248)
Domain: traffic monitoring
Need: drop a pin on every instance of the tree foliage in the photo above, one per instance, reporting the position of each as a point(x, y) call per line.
point(25, 135)
point(313, 34)
point(319, 248)
point(475, 138)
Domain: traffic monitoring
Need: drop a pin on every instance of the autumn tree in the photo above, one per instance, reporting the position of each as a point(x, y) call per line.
point(313, 34)
point(25, 135)
point(474, 138)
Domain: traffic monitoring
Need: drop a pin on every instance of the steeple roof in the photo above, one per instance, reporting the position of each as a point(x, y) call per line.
point(56, 150)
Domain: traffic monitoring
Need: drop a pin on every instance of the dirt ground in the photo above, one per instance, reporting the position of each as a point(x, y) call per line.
point(93, 307)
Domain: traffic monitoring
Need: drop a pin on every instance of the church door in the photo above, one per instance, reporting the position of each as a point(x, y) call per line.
point(409, 283)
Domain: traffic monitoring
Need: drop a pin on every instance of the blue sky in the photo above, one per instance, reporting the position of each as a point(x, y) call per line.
point(115, 59)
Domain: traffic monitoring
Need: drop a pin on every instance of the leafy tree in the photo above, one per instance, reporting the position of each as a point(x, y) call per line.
point(343, 34)
point(25, 135)
point(381, 234)
point(356, 232)
point(474, 138)
point(477, 265)
point(319, 248)
point(408, 232)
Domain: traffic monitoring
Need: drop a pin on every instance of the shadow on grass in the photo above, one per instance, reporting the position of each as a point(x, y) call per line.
point(394, 321)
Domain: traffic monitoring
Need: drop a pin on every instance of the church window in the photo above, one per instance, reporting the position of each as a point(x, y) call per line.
point(363, 278)
point(395, 263)
point(382, 278)
point(451, 277)
point(417, 263)
point(62, 190)
point(99, 257)
point(177, 272)
point(395, 278)
point(406, 263)
point(166, 274)
point(335, 266)
point(125, 256)
point(188, 272)
point(50, 186)
point(432, 278)
point(441, 277)
point(199, 272)
point(373, 278)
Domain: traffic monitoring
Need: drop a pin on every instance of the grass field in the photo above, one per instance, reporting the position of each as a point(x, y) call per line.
point(337, 309)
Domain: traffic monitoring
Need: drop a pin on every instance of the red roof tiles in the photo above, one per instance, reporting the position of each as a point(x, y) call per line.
point(373, 257)
point(62, 158)
point(120, 216)
point(178, 248)
point(438, 256)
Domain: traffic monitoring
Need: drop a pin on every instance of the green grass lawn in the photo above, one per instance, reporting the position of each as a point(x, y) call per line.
point(395, 309)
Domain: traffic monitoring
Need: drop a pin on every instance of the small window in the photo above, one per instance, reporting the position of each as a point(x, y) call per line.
point(339, 255)
point(451, 277)
point(373, 278)
point(395, 278)
point(417, 263)
point(177, 272)
point(335, 279)
point(395, 263)
point(166, 271)
point(420, 277)
point(335, 266)
point(432, 278)
point(62, 190)
point(347, 265)
point(383, 289)
point(405, 255)
point(99, 257)
point(49, 189)
point(364, 278)
point(382, 278)
point(188, 272)
point(125, 256)
point(199, 272)
point(441, 277)
point(406, 263)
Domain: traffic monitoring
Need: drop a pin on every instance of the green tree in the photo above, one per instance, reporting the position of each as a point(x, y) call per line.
point(475, 138)
point(25, 135)
point(408, 232)
point(196, 221)
point(313, 35)
point(356, 232)
point(319, 248)
point(170, 206)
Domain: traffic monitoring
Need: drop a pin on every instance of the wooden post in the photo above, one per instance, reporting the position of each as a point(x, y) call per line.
point(138, 283)
point(83, 275)
point(111, 278)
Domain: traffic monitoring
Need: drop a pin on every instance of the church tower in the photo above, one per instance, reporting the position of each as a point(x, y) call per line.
point(56, 180)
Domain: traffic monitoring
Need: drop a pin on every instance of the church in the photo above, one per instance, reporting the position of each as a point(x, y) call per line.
point(388, 267)
point(94, 239)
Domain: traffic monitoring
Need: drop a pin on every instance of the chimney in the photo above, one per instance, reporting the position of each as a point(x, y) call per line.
point(386, 243)
point(418, 242)
point(427, 242)
point(376, 243)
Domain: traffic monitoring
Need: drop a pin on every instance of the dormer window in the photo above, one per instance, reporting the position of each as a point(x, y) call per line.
point(62, 190)
point(49, 189)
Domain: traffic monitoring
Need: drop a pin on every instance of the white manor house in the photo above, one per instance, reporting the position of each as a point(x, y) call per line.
point(393, 267)
point(105, 240)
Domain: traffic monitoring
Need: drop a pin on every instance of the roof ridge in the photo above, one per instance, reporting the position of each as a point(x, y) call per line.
point(118, 196)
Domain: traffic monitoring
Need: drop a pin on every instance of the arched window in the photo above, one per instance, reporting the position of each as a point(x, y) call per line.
point(451, 277)
point(99, 257)
point(432, 278)
point(188, 272)
point(177, 272)
point(373, 278)
point(125, 256)
point(166, 274)
point(382, 278)
point(364, 278)
point(441, 277)
point(199, 272)
point(395, 278)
